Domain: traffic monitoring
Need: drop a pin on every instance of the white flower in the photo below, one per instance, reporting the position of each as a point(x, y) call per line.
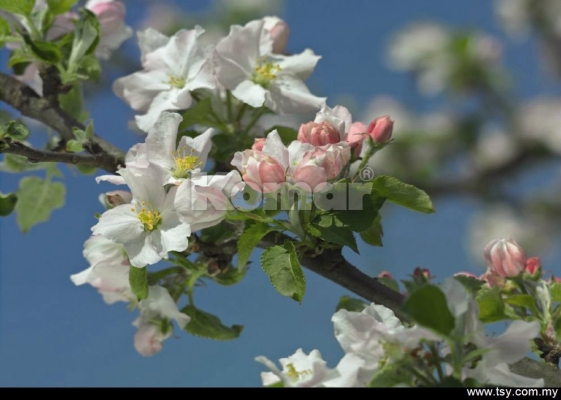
point(149, 227)
point(505, 349)
point(108, 271)
point(171, 72)
point(261, 78)
point(156, 312)
point(203, 202)
point(298, 370)
point(175, 163)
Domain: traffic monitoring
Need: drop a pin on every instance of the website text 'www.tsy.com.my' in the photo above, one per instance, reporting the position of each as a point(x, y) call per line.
point(502, 392)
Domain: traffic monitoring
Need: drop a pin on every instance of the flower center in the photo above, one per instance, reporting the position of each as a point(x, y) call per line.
point(294, 374)
point(185, 163)
point(176, 81)
point(265, 72)
point(150, 218)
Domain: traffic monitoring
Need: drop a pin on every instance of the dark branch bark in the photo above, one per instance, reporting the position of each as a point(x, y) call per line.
point(35, 156)
point(24, 99)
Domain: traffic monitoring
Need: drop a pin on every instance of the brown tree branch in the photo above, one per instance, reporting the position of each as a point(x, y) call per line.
point(33, 155)
point(29, 103)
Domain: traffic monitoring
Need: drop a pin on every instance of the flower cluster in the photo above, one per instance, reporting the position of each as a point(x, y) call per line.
point(170, 197)
point(380, 350)
point(247, 63)
point(323, 150)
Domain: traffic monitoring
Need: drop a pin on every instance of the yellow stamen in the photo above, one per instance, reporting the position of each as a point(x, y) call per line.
point(185, 163)
point(176, 81)
point(265, 72)
point(149, 218)
point(294, 374)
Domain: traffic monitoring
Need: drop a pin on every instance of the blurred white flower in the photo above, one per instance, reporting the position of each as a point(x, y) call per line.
point(494, 147)
point(540, 120)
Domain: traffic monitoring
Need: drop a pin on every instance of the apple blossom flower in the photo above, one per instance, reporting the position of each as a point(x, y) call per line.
point(108, 271)
point(113, 30)
point(261, 78)
point(318, 134)
point(171, 72)
point(149, 226)
point(175, 163)
point(156, 312)
point(505, 257)
point(501, 351)
point(298, 370)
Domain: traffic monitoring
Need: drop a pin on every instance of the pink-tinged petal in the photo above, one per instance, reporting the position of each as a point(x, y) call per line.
point(275, 148)
point(161, 139)
point(148, 338)
point(160, 304)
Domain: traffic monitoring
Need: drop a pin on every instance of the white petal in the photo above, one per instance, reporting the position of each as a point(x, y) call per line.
point(160, 142)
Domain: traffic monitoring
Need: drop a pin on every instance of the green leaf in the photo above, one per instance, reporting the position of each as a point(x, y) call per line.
point(389, 282)
point(72, 103)
point(5, 30)
point(523, 300)
point(208, 326)
point(287, 135)
point(351, 304)
point(221, 233)
point(281, 264)
point(373, 235)
point(17, 163)
point(37, 198)
point(44, 51)
point(138, 280)
point(86, 169)
point(196, 114)
point(60, 6)
point(491, 305)
point(7, 203)
point(21, 7)
point(16, 130)
point(330, 229)
point(250, 237)
point(557, 327)
point(74, 146)
point(86, 38)
point(390, 375)
point(471, 284)
point(428, 307)
point(403, 194)
point(555, 289)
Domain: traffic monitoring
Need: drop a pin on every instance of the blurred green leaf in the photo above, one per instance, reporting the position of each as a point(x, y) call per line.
point(208, 326)
point(37, 198)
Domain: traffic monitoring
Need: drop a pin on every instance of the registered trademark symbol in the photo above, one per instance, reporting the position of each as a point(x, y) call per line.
point(366, 174)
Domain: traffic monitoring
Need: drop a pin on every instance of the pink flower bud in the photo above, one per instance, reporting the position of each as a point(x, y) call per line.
point(385, 274)
point(279, 31)
point(381, 129)
point(356, 136)
point(533, 266)
point(110, 14)
point(258, 145)
point(271, 174)
point(309, 176)
point(319, 134)
point(505, 257)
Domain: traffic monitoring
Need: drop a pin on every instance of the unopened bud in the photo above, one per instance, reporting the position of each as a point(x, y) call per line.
point(319, 133)
point(505, 257)
point(258, 145)
point(381, 129)
point(533, 267)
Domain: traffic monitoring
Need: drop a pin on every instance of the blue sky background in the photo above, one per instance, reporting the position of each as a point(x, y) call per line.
point(53, 333)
